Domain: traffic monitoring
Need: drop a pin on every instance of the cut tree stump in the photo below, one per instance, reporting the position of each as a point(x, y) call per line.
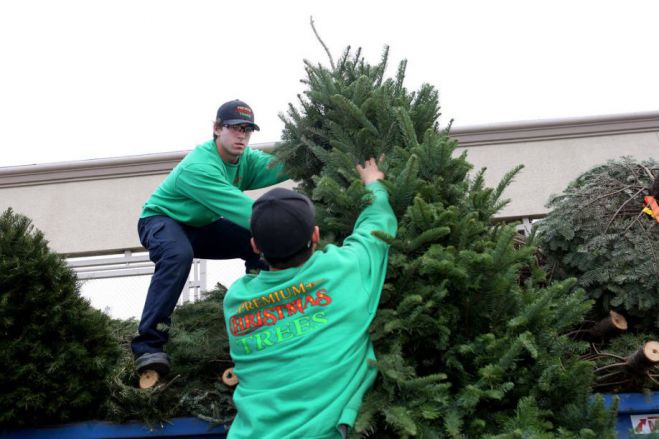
point(148, 379)
point(608, 327)
point(644, 358)
point(229, 378)
point(631, 371)
point(612, 325)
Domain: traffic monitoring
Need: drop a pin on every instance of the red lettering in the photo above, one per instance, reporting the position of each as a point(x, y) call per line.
point(233, 325)
point(240, 325)
point(253, 320)
point(237, 325)
point(323, 299)
point(279, 311)
point(294, 307)
point(309, 300)
point(269, 318)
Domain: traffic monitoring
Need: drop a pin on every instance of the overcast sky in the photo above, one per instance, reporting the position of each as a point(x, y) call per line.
point(95, 78)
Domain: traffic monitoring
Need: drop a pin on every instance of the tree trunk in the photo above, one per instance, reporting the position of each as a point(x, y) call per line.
point(645, 358)
point(608, 327)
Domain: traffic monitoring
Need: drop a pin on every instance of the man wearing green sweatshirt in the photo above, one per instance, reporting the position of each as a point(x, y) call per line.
point(199, 211)
point(298, 334)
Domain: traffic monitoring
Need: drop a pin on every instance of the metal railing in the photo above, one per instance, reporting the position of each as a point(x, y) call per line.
point(131, 265)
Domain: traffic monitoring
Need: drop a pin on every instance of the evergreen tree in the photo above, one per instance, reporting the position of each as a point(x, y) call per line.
point(596, 231)
point(55, 349)
point(464, 348)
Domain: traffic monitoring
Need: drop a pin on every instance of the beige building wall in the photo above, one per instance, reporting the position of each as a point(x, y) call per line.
point(91, 207)
point(550, 165)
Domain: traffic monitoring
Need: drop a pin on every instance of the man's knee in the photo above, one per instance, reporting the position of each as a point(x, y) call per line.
point(179, 255)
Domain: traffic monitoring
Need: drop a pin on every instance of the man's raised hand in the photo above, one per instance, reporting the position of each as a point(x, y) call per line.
point(369, 171)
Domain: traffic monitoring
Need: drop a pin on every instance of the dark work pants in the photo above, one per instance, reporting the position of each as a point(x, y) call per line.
point(172, 246)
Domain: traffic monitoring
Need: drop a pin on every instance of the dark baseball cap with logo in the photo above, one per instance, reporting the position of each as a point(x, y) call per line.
point(282, 223)
point(236, 112)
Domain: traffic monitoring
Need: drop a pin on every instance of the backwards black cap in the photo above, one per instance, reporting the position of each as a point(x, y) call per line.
point(236, 112)
point(282, 223)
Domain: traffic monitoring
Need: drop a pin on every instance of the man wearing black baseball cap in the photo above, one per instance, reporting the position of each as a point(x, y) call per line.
point(199, 211)
point(233, 118)
point(284, 222)
point(298, 334)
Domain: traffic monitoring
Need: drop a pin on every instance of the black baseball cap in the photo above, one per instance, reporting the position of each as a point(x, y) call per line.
point(236, 112)
point(282, 223)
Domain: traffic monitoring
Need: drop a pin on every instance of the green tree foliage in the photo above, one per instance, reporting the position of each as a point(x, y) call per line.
point(596, 232)
point(199, 349)
point(464, 349)
point(55, 349)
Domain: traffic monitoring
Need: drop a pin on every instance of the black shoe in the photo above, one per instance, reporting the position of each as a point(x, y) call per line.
point(158, 361)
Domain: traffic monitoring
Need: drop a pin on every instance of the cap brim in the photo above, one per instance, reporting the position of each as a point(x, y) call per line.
point(240, 122)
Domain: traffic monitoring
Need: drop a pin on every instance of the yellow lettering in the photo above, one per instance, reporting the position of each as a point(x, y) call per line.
point(267, 300)
point(299, 291)
point(310, 285)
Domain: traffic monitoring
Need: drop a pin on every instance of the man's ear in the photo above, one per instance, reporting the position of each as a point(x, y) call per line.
point(217, 127)
point(255, 248)
point(315, 235)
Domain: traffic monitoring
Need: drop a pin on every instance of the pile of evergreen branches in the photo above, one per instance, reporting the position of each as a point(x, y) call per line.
point(199, 351)
point(598, 232)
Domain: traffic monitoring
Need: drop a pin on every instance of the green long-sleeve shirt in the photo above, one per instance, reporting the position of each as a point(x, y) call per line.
point(299, 336)
point(202, 187)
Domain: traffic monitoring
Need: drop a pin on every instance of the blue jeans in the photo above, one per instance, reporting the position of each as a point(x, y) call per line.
point(172, 246)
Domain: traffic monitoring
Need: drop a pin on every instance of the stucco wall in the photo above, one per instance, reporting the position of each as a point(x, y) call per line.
point(92, 207)
point(551, 164)
point(87, 217)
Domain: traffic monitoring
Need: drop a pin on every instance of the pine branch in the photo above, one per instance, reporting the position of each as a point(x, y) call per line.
point(621, 206)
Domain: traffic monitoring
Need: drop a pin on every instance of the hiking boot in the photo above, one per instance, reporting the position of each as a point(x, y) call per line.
point(158, 361)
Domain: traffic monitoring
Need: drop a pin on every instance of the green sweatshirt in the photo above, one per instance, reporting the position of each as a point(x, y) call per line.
point(299, 336)
point(202, 187)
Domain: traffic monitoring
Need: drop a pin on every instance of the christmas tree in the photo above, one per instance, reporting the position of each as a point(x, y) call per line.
point(603, 231)
point(56, 350)
point(465, 346)
point(65, 361)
